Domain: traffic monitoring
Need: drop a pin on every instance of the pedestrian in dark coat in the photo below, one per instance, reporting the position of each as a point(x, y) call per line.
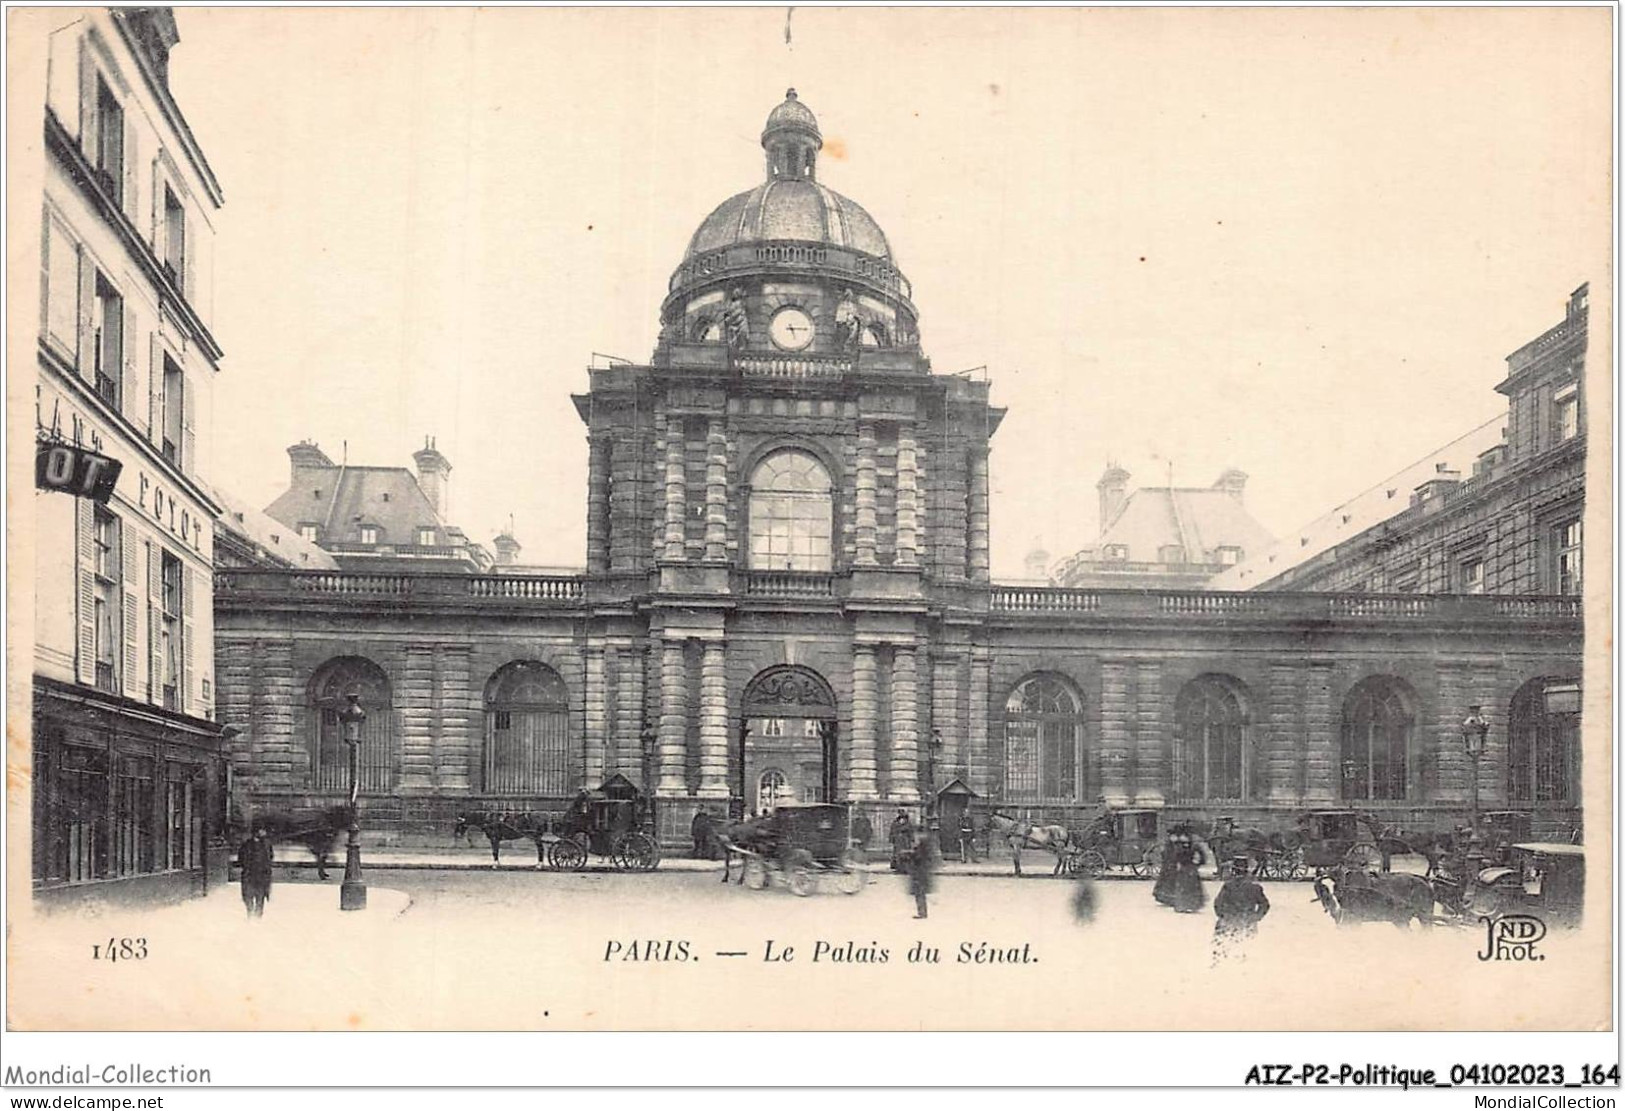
point(1241, 905)
point(921, 861)
point(1179, 885)
point(967, 838)
point(902, 840)
point(700, 830)
point(255, 858)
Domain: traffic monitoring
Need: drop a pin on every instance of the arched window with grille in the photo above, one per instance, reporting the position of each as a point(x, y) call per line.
point(329, 759)
point(1379, 720)
point(1210, 739)
point(791, 513)
point(1543, 742)
point(1043, 741)
point(527, 732)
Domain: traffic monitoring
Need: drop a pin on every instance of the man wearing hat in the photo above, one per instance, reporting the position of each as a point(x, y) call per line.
point(1240, 906)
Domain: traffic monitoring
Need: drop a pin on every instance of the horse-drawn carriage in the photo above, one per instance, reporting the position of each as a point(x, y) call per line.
point(615, 822)
point(1127, 838)
point(607, 823)
point(1330, 839)
point(806, 847)
point(1537, 877)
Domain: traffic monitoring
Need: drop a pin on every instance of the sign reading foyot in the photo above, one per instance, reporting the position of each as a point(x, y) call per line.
point(75, 470)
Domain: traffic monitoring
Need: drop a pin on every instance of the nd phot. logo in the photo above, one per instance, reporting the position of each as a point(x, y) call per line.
point(1512, 937)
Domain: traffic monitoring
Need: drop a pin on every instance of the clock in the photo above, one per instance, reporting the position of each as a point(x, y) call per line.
point(791, 329)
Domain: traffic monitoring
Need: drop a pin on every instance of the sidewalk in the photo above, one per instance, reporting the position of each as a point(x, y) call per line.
point(522, 858)
point(307, 904)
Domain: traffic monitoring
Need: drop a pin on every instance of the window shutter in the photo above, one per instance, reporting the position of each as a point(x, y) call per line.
point(188, 444)
point(85, 568)
point(188, 685)
point(155, 392)
point(87, 101)
point(155, 637)
point(129, 388)
point(132, 176)
point(132, 610)
point(87, 312)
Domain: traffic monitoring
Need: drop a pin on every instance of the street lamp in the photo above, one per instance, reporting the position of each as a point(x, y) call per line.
point(933, 747)
point(1474, 730)
point(353, 891)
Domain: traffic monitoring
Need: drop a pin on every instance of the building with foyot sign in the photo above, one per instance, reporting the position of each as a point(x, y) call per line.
point(125, 742)
point(787, 596)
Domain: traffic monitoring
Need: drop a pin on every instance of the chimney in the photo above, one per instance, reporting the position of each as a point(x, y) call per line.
point(434, 477)
point(1037, 564)
point(306, 456)
point(507, 549)
point(1232, 482)
point(1113, 487)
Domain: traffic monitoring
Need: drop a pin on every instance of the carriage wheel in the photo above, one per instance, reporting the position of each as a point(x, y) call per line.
point(1090, 862)
point(1150, 862)
point(1367, 857)
point(567, 855)
point(637, 852)
point(1294, 867)
point(850, 882)
point(755, 873)
point(802, 881)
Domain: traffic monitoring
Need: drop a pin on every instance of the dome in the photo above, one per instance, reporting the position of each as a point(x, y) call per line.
point(791, 114)
point(790, 204)
point(797, 209)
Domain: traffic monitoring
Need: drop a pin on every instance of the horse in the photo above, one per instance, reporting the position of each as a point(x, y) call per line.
point(1355, 895)
point(1430, 844)
point(1226, 844)
point(318, 832)
point(1026, 835)
point(506, 826)
point(749, 834)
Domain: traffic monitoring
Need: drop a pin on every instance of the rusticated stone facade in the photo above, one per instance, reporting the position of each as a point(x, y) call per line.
point(787, 595)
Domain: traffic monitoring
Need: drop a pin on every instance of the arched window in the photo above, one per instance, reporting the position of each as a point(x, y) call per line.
point(527, 732)
point(790, 513)
point(1210, 740)
point(772, 788)
point(1543, 754)
point(1377, 725)
point(329, 759)
point(1043, 741)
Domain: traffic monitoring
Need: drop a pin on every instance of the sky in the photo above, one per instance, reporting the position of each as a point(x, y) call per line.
point(1300, 242)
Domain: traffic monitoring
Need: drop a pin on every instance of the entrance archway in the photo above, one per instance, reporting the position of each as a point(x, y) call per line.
point(788, 726)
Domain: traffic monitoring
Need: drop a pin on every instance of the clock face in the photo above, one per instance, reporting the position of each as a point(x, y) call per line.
point(792, 329)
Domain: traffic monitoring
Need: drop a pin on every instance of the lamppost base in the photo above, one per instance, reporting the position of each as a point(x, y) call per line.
point(352, 895)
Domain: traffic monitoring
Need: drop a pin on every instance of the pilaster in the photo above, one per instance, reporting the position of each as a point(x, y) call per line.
point(908, 498)
point(673, 720)
point(716, 492)
point(676, 489)
point(863, 785)
point(865, 507)
point(904, 782)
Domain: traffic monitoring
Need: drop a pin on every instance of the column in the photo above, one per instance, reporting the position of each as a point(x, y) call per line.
point(676, 488)
point(463, 720)
point(598, 469)
point(1492, 766)
point(863, 723)
point(904, 782)
point(977, 517)
point(986, 766)
point(1150, 766)
point(596, 713)
point(1114, 735)
point(945, 687)
point(1453, 781)
point(908, 498)
point(716, 492)
point(866, 494)
point(714, 721)
point(416, 699)
point(629, 714)
point(671, 749)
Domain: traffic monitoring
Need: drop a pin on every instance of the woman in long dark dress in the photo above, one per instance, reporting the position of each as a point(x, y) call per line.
point(1185, 888)
point(1163, 890)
